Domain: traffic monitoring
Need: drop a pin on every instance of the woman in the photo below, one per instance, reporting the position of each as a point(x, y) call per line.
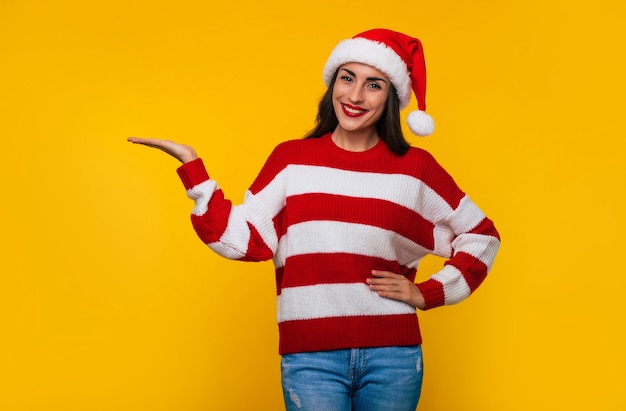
point(346, 214)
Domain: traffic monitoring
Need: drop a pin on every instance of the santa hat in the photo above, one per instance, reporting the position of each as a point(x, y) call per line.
point(397, 55)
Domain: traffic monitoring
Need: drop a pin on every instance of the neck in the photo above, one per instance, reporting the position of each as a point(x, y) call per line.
point(355, 141)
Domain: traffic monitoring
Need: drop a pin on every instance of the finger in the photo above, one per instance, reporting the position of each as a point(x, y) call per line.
point(137, 139)
point(164, 145)
point(383, 286)
point(384, 274)
point(390, 294)
point(376, 281)
point(156, 142)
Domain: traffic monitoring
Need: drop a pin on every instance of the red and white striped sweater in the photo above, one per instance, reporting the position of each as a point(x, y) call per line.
point(328, 217)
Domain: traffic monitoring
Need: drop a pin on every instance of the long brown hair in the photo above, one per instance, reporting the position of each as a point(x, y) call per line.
point(388, 126)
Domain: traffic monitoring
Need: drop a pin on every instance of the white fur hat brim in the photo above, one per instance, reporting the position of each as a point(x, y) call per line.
point(375, 54)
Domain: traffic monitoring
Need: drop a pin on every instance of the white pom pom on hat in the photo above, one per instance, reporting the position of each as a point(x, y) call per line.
point(397, 55)
point(420, 123)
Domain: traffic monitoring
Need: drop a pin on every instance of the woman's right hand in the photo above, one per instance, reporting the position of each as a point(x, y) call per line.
point(181, 152)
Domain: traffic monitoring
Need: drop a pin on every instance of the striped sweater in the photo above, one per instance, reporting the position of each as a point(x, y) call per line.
point(328, 217)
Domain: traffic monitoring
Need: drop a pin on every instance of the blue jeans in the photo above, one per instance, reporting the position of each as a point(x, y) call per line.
point(363, 379)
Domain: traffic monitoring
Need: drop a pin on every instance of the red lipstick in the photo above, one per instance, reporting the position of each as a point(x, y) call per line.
point(353, 111)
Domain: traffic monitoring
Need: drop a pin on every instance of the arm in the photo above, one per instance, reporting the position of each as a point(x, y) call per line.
point(462, 234)
point(239, 232)
point(473, 255)
point(244, 232)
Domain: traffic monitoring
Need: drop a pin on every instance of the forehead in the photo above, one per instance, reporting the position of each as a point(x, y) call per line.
point(364, 70)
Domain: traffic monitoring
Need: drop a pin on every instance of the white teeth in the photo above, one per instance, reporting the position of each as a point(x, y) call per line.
point(353, 111)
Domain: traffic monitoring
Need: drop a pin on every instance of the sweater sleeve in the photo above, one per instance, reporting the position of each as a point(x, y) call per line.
point(463, 234)
point(239, 232)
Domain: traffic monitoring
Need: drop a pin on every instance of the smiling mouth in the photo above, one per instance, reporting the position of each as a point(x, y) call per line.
point(352, 111)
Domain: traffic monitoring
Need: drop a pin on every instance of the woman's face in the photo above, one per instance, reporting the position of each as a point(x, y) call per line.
point(359, 97)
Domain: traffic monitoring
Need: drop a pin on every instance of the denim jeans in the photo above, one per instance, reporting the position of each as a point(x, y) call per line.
point(363, 379)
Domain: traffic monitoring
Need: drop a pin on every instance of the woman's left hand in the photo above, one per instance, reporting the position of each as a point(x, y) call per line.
point(397, 287)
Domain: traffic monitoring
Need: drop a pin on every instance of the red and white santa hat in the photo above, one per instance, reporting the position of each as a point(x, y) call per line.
point(397, 55)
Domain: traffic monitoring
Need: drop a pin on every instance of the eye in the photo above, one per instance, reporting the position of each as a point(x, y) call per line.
point(375, 86)
point(346, 78)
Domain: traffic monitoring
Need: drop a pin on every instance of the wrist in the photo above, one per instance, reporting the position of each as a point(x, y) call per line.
point(418, 300)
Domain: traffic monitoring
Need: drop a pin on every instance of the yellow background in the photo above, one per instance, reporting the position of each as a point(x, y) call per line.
point(108, 301)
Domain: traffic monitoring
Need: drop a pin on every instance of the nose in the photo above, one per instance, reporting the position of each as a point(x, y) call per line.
point(356, 94)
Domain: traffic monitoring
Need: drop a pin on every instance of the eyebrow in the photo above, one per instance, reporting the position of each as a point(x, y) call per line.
point(353, 74)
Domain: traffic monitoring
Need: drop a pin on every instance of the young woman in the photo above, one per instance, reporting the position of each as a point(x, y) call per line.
point(346, 214)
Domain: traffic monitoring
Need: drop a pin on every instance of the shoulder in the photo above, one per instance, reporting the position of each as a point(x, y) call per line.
point(419, 154)
point(415, 162)
point(435, 176)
